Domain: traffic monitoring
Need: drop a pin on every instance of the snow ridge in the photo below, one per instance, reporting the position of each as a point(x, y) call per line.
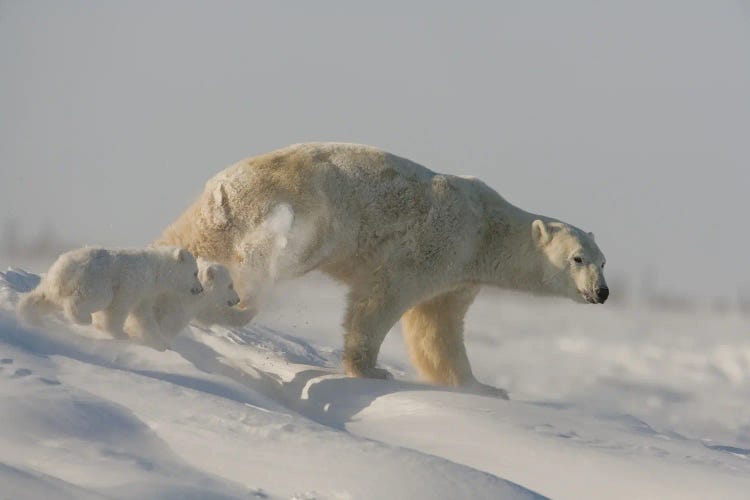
point(258, 413)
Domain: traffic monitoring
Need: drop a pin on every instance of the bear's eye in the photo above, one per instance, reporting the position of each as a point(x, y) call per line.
point(577, 260)
point(231, 287)
point(195, 274)
point(603, 264)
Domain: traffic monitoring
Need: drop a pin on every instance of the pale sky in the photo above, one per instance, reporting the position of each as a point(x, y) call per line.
point(630, 119)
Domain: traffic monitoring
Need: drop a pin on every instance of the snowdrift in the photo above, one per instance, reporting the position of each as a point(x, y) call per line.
point(597, 411)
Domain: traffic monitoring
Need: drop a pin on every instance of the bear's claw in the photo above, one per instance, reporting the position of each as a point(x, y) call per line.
point(374, 373)
point(487, 390)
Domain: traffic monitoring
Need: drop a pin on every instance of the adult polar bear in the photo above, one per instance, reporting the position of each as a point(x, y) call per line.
point(408, 242)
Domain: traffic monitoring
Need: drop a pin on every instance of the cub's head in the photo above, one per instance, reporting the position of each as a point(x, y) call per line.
point(573, 266)
point(181, 273)
point(217, 282)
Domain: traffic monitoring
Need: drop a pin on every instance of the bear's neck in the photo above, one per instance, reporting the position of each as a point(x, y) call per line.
point(508, 257)
point(192, 233)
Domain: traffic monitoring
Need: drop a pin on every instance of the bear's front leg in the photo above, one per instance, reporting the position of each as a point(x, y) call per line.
point(434, 333)
point(372, 311)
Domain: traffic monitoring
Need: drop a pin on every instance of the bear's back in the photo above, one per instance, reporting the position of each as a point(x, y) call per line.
point(301, 164)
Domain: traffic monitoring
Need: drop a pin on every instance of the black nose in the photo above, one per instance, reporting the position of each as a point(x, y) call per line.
point(602, 294)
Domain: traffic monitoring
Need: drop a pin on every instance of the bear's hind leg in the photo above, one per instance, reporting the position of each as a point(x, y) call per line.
point(434, 335)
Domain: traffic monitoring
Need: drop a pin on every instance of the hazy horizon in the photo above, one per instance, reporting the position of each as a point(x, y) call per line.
point(628, 119)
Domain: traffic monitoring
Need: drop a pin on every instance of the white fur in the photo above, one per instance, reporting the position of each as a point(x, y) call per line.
point(215, 306)
point(408, 241)
point(109, 283)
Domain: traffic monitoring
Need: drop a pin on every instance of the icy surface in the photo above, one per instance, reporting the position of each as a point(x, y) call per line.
point(607, 402)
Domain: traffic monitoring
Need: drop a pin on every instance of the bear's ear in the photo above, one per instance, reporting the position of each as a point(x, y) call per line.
point(592, 235)
point(181, 254)
point(210, 273)
point(218, 207)
point(540, 232)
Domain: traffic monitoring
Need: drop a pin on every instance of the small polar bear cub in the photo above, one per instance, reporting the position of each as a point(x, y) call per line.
point(218, 306)
point(110, 283)
point(172, 313)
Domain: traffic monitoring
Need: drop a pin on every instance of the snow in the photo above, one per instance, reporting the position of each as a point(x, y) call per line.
point(606, 402)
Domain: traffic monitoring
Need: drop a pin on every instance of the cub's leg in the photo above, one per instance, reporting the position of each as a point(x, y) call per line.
point(434, 333)
point(171, 314)
point(79, 307)
point(142, 325)
point(112, 318)
point(76, 314)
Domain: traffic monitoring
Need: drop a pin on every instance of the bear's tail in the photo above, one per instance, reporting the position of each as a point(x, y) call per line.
point(32, 306)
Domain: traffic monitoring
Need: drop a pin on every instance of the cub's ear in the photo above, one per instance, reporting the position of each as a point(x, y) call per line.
point(592, 235)
point(540, 232)
point(210, 273)
point(181, 254)
point(217, 211)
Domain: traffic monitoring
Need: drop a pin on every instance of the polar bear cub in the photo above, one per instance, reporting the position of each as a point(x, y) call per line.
point(172, 313)
point(110, 283)
point(218, 306)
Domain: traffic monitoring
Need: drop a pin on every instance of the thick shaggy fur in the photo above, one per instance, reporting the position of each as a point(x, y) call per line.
point(109, 284)
point(408, 242)
point(215, 306)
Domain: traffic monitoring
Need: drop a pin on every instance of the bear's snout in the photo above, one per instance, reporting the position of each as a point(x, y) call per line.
point(602, 294)
point(196, 290)
point(232, 303)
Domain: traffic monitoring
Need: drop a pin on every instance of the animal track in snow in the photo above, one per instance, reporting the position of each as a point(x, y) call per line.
point(22, 372)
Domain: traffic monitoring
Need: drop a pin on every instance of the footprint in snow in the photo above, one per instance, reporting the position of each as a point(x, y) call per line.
point(734, 450)
point(25, 372)
point(22, 372)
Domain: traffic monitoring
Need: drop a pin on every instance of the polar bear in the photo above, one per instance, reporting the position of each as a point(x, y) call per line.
point(410, 243)
point(172, 313)
point(108, 283)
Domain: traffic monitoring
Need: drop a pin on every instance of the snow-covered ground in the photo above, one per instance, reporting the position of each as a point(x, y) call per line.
point(607, 402)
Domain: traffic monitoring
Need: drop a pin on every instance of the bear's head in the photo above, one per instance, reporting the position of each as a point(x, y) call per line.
point(217, 282)
point(572, 264)
point(181, 274)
